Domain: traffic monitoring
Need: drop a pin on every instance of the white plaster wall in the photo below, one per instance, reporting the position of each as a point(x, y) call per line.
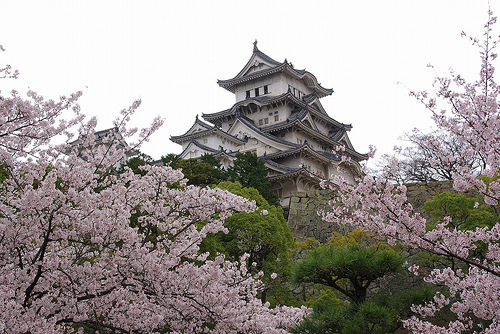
point(298, 84)
point(272, 80)
point(322, 128)
point(298, 138)
point(265, 113)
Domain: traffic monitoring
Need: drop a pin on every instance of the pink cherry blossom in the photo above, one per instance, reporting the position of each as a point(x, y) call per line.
point(376, 204)
point(83, 246)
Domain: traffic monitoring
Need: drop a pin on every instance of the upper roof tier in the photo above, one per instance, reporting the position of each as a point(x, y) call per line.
point(257, 74)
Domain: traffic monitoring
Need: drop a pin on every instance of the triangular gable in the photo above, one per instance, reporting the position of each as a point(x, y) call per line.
point(224, 158)
point(314, 101)
point(258, 61)
point(196, 149)
point(242, 130)
point(201, 134)
point(308, 121)
point(198, 126)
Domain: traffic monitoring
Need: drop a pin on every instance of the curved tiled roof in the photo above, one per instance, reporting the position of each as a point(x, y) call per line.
point(333, 139)
point(263, 100)
point(293, 173)
point(309, 79)
point(260, 100)
point(248, 122)
point(263, 55)
point(201, 123)
point(196, 122)
point(337, 135)
point(214, 129)
point(303, 148)
point(279, 166)
point(276, 67)
point(286, 171)
point(203, 147)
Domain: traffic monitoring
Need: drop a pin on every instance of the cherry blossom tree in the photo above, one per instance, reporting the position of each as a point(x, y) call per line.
point(415, 159)
point(376, 204)
point(71, 260)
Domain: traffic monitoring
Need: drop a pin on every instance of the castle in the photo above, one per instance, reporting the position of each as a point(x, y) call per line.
point(278, 116)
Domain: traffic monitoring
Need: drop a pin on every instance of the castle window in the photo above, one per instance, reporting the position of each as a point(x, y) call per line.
point(261, 121)
point(266, 120)
point(266, 89)
point(248, 94)
point(276, 116)
point(257, 91)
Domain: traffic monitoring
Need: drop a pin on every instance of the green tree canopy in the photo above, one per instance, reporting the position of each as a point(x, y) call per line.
point(198, 173)
point(203, 171)
point(135, 162)
point(348, 266)
point(251, 171)
point(170, 159)
point(467, 213)
point(264, 235)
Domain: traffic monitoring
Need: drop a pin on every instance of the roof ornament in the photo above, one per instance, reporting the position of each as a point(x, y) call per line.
point(255, 49)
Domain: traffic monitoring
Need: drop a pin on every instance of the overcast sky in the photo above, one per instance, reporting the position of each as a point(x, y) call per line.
point(171, 53)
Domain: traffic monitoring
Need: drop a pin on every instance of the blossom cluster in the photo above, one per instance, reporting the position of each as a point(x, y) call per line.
point(376, 204)
point(83, 248)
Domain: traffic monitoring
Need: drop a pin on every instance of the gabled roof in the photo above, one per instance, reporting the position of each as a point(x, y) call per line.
point(202, 147)
point(303, 107)
point(288, 172)
point(279, 167)
point(272, 66)
point(197, 126)
point(217, 153)
point(260, 57)
point(305, 148)
point(198, 132)
point(249, 124)
point(324, 117)
point(313, 100)
point(260, 101)
point(333, 138)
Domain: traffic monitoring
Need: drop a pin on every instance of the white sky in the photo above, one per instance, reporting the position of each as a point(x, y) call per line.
point(171, 53)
